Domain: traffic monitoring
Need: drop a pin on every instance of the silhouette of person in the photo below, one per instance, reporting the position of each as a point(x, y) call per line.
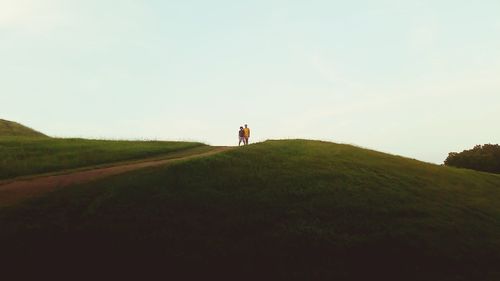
point(241, 135)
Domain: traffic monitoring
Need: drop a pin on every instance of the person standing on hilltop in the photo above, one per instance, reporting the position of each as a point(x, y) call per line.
point(241, 135)
point(247, 134)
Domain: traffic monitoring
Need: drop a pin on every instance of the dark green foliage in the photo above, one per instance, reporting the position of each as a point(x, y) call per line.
point(21, 156)
point(280, 210)
point(484, 158)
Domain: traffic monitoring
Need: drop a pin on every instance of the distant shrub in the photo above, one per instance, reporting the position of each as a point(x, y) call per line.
point(484, 158)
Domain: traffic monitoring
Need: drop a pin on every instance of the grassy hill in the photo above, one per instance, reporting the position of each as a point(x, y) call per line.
point(23, 156)
point(9, 128)
point(279, 210)
point(25, 152)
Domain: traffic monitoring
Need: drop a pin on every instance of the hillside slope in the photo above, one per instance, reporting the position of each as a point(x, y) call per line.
point(25, 156)
point(9, 128)
point(279, 210)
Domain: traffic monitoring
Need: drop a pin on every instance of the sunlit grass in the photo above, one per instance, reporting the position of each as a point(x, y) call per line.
point(21, 156)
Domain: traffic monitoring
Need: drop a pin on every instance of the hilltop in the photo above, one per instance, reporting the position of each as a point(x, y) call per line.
point(10, 128)
point(279, 210)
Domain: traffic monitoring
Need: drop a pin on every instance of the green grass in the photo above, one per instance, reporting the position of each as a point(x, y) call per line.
point(22, 156)
point(286, 210)
point(9, 128)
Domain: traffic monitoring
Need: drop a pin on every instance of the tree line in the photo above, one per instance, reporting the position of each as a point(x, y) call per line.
point(484, 158)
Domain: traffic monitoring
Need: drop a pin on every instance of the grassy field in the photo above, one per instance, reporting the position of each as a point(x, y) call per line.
point(9, 128)
point(280, 210)
point(21, 156)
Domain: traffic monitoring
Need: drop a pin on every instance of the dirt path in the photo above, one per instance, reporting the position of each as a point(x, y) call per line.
point(16, 191)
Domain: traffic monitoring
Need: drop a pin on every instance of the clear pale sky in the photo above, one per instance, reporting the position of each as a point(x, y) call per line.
point(414, 78)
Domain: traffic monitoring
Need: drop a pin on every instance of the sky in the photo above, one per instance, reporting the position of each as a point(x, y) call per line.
point(413, 78)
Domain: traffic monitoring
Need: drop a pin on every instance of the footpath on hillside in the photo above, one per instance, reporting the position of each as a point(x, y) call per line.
point(12, 192)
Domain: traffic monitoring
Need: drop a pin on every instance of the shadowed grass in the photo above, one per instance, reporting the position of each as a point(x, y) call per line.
point(286, 210)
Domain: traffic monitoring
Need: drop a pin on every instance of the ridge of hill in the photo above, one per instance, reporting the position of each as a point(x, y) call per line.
point(10, 128)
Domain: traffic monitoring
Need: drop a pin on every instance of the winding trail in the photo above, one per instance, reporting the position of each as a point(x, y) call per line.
point(12, 192)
